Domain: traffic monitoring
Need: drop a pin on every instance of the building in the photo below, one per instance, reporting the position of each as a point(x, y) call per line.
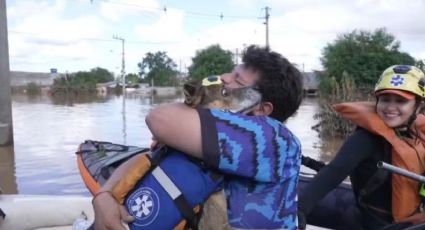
point(310, 83)
point(20, 78)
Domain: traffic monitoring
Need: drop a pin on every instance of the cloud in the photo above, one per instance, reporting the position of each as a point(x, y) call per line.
point(168, 27)
point(50, 36)
point(77, 34)
point(116, 10)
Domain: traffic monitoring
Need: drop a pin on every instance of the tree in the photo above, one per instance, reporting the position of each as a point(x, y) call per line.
point(100, 75)
point(421, 64)
point(158, 66)
point(210, 61)
point(363, 55)
point(82, 81)
point(132, 78)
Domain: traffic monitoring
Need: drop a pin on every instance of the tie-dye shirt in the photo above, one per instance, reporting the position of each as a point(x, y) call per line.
point(261, 159)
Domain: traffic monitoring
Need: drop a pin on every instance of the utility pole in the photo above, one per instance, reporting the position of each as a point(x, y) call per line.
point(123, 88)
point(6, 128)
point(123, 63)
point(267, 15)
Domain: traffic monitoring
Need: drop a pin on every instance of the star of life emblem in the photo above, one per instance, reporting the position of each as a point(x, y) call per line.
point(397, 80)
point(143, 204)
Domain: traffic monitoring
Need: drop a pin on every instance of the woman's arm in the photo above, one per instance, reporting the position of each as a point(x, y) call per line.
point(354, 150)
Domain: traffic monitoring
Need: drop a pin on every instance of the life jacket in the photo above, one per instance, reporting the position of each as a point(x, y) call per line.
point(162, 190)
point(405, 191)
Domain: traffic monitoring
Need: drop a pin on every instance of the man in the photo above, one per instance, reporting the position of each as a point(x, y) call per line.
point(258, 154)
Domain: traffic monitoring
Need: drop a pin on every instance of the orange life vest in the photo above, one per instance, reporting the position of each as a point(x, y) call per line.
point(405, 196)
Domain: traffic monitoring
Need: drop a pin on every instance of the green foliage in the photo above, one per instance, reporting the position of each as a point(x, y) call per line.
point(363, 55)
point(325, 84)
point(159, 67)
point(132, 78)
point(33, 89)
point(330, 123)
point(100, 75)
point(81, 81)
point(210, 61)
point(421, 64)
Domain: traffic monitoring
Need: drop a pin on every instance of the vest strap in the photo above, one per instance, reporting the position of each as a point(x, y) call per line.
point(180, 201)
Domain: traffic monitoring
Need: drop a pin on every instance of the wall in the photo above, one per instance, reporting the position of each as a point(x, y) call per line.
point(19, 78)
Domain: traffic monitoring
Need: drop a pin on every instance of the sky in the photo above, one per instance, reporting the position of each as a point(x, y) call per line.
point(78, 35)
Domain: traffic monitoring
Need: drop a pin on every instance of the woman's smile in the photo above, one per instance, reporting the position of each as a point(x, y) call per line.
point(394, 110)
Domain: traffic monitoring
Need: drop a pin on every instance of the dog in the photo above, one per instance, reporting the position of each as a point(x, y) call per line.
point(211, 93)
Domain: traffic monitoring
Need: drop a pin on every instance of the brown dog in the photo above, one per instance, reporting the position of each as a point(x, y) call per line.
point(210, 93)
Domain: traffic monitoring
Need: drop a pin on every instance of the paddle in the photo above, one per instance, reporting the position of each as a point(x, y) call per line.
point(419, 219)
point(401, 171)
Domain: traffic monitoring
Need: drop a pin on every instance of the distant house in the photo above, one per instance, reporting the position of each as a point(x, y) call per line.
point(20, 78)
point(310, 83)
point(105, 87)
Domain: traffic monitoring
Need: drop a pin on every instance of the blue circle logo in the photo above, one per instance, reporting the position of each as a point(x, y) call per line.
point(143, 204)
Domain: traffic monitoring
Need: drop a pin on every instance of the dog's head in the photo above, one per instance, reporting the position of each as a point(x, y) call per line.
point(211, 93)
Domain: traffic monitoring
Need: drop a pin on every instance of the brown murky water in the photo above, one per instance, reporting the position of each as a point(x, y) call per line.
point(48, 130)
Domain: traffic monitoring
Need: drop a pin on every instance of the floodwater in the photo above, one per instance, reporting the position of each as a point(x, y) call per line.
point(47, 132)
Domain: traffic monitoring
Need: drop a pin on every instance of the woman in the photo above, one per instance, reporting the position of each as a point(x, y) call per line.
point(390, 130)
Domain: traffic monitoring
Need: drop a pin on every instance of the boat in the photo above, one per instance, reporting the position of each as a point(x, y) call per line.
point(336, 210)
point(97, 161)
point(45, 212)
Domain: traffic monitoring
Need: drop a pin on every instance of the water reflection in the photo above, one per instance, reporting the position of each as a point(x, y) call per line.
point(124, 123)
point(7, 171)
point(328, 148)
point(47, 132)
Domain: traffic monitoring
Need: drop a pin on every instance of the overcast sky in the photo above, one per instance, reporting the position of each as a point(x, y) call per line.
point(73, 35)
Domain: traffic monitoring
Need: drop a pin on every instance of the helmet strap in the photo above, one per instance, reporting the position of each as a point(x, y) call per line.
point(412, 117)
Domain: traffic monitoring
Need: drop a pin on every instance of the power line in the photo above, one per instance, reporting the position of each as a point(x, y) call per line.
point(220, 16)
point(48, 37)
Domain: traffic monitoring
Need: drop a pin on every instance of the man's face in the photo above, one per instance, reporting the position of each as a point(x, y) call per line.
point(240, 77)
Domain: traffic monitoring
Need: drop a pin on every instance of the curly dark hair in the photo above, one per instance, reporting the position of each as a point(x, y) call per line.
point(280, 81)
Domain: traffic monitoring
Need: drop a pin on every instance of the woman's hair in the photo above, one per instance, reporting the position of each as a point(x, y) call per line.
point(279, 82)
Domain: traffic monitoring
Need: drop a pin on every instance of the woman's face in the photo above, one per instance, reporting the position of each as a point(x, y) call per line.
point(394, 109)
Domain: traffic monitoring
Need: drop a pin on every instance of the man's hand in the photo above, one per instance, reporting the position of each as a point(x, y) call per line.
point(109, 214)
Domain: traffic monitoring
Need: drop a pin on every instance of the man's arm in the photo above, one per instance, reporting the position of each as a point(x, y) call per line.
point(178, 126)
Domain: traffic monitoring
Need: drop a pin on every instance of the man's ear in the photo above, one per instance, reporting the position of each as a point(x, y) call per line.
point(264, 109)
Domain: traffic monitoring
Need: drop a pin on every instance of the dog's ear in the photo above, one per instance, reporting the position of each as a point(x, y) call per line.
point(191, 93)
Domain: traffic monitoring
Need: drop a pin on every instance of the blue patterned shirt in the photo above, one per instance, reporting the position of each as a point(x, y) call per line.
point(261, 159)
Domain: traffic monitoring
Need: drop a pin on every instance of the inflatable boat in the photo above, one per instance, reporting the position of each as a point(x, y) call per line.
point(98, 160)
point(45, 212)
point(337, 210)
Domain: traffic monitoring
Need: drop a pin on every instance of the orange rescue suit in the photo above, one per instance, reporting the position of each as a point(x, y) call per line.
point(405, 191)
